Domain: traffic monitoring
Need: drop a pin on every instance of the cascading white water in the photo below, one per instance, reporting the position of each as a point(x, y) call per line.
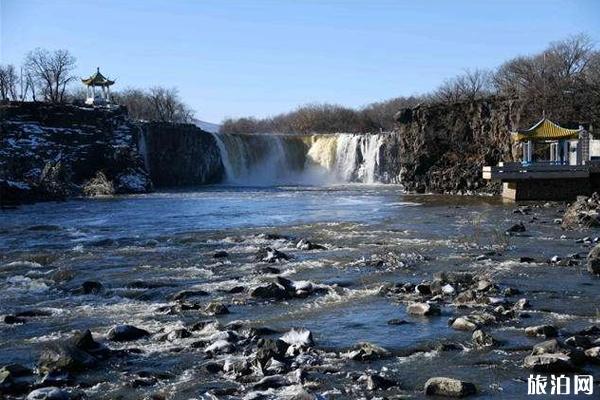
point(306, 159)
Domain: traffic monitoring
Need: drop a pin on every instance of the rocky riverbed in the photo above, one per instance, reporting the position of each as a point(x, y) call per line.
point(293, 293)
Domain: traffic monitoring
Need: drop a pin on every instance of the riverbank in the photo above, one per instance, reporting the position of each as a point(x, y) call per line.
point(217, 279)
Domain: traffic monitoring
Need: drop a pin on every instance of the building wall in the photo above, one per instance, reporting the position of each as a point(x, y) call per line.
point(549, 189)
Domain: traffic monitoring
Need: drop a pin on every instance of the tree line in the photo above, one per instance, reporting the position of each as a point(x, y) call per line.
point(49, 76)
point(562, 83)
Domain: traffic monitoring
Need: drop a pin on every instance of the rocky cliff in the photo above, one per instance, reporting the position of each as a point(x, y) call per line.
point(180, 155)
point(442, 148)
point(50, 152)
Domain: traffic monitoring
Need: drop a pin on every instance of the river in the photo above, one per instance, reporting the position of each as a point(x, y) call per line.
point(144, 249)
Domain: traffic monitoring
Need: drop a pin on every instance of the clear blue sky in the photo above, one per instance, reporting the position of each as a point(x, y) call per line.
point(261, 57)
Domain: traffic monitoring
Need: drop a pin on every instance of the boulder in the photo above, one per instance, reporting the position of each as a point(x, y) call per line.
point(593, 260)
point(221, 254)
point(583, 213)
point(186, 294)
point(270, 291)
point(126, 333)
point(482, 339)
point(304, 244)
point(549, 362)
point(216, 308)
point(270, 348)
point(449, 387)
point(64, 356)
point(423, 309)
point(593, 355)
point(91, 287)
point(15, 378)
point(48, 393)
point(269, 255)
point(541, 330)
point(516, 228)
point(367, 352)
point(378, 382)
point(547, 347)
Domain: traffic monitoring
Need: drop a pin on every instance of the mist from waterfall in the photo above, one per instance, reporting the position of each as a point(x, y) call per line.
point(276, 159)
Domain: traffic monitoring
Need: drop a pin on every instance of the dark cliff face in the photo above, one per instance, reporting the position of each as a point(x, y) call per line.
point(50, 152)
point(442, 148)
point(180, 155)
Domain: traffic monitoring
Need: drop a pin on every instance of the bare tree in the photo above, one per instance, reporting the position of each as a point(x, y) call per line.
point(166, 105)
point(51, 72)
point(8, 82)
point(468, 86)
point(155, 104)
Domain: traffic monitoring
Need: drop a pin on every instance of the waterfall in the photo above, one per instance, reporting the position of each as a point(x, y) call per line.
point(266, 159)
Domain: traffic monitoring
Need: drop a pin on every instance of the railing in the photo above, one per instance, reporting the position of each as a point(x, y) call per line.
point(538, 170)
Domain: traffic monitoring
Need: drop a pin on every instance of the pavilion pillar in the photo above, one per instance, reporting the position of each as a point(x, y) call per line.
point(529, 151)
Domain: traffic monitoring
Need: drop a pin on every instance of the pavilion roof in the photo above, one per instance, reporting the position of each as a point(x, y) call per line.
point(545, 130)
point(97, 79)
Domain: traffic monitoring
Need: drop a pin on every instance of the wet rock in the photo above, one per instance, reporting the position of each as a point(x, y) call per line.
point(271, 382)
point(590, 330)
point(274, 366)
point(548, 362)
point(578, 341)
point(91, 287)
point(516, 228)
point(49, 393)
point(85, 341)
point(593, 260)
point(270, 348)
point(216, 308)
point(186, 294)
point(12, 319)
point(527, 259)
point(397, 321)
point(57, 378)
point(593, 355)
point(270, 291)
point(423, 289)
point(32, 313)
point(236, 290)
point(220, 347)
point(482, 339)
point(484, 285)
point(521, 304)
point(583, 213)
point(464, 324)
point(367, 352)
point(126, 333)
point(304, 244)
point(449, 387)
point(179, 333)
point(376, 382)
point(64, 356)
point(298, 337)
point(221, 254)
point(467, 296)
point(269, 255)
point(508, 292)
point(547, 347)
point(15, 378)
point(213, 367)
point(541, 330)
point(269, 270)
point(423, 309)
